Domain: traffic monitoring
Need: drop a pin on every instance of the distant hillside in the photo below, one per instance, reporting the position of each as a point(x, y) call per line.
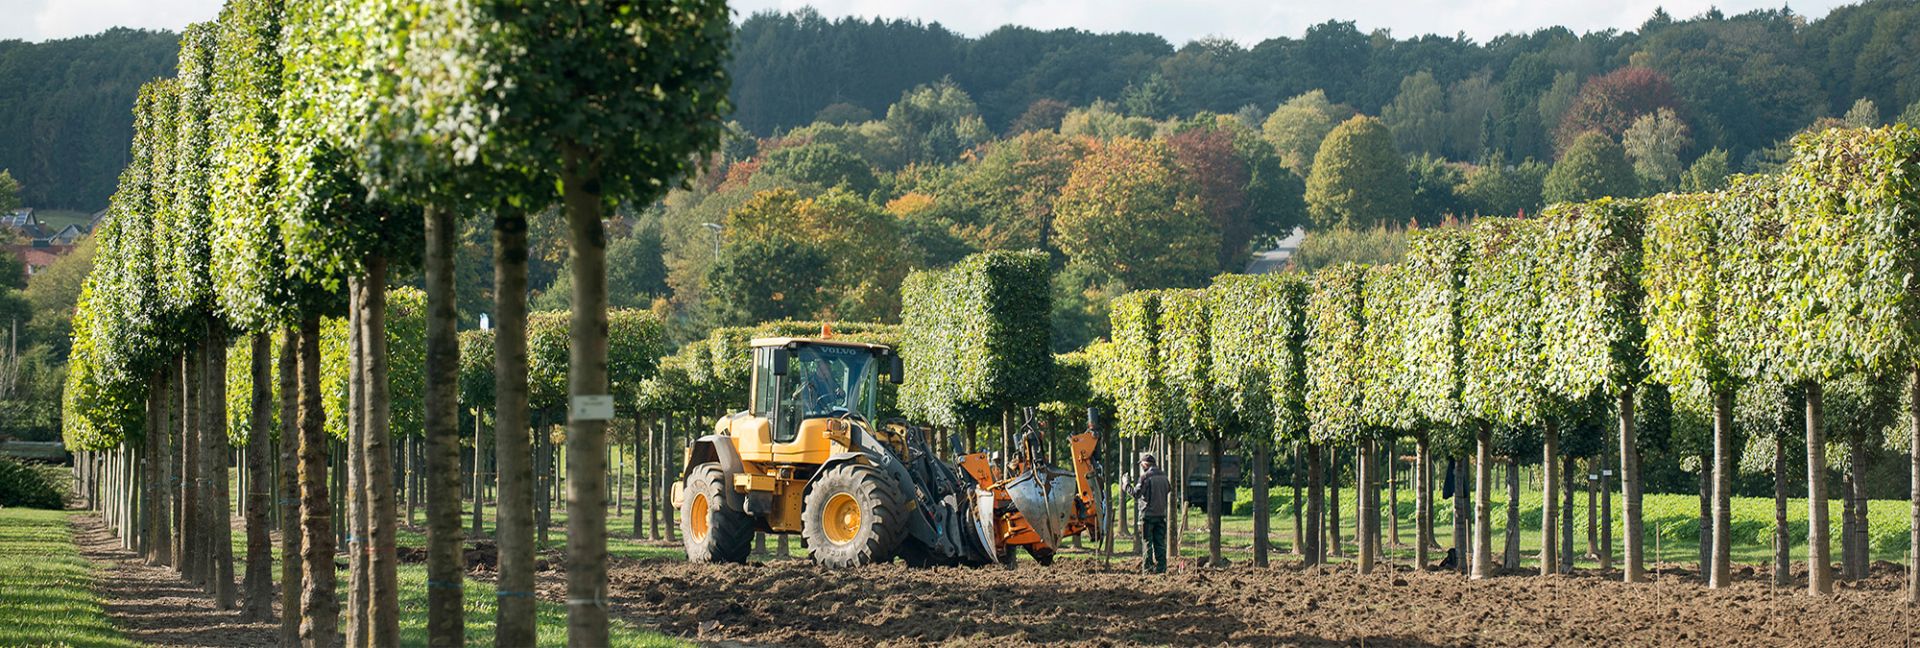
point(1743, 82)
point(66, 111)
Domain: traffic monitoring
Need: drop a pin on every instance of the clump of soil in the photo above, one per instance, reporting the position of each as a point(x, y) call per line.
point(795, 603)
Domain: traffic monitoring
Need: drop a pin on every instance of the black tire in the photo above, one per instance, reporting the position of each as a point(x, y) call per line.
point(873, 536)
point(728, 534)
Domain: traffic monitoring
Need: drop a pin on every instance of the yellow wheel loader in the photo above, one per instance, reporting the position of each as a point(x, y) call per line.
point(807, 456)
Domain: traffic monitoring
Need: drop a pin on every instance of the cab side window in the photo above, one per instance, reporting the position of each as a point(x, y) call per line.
point(764, 392)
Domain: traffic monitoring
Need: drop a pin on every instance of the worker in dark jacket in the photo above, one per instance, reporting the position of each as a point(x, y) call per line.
point(1151, 492)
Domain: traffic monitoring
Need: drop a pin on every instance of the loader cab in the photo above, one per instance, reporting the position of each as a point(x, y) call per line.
point(801, 380)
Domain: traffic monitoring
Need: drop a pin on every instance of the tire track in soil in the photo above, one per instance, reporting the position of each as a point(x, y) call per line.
point(153, 606)
point(794, 603)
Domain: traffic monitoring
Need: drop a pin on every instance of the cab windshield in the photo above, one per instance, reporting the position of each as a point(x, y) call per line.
point(833, 381)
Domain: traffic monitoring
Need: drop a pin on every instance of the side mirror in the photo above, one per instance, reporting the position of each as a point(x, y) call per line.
point(780, 359)
point(896, 369)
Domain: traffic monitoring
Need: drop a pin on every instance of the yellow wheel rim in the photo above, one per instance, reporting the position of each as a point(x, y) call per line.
point(841, 519)
point(697, 518)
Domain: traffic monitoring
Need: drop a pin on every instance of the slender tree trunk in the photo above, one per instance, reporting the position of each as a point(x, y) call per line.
point(1706, 515)
point(220, 532)
point(156, 541)
point(543, 455)
point(1393, 489)
point(410, 447)
point(291, 584)
point(513, 436)
point(1462, 517)
point(1566, 518)
point(1819, 552)
point(641, 428)
point(1511, 555)
point(1913, 452)
point(1857, 465)
point(586, 439)
point(320, 611)
point(1723, 466)
point(1606, 517)
point(479, 475)
point(1334, 520)
point(384, 595)
point(1593, 503)
point(359, 583)
point(1633, 540)
point(1422, 500)
point(1549, 500)
point(1482, 496)
point(258, 595)
point(1217, 448)
point(1363, 485)
point(1782, 542)
point(656, 461)
point(1293, 479)
point(446, 616)
point(186, 547)
point(1262, 455)
point(1316, 511)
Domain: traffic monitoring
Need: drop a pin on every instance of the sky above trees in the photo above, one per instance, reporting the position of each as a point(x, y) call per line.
point(1246, 21)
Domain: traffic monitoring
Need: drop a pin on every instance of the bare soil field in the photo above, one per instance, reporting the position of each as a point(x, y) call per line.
point(1082, 602)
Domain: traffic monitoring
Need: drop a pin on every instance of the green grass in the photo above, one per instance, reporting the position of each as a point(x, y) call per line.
point(46, 588)
point(55, 219)
point(1671, 526)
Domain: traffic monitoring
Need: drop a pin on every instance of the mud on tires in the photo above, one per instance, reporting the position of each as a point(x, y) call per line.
point(853, 516)
point(711, 532)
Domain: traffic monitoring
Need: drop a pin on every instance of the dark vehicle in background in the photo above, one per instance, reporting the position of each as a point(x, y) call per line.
point(1200, 471)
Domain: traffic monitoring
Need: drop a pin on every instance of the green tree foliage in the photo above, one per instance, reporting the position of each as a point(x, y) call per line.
point(1500, 335)
point(826, 165)
point(1336, 354)
point(1185, 350)
point(976, 337)
point(1588, 270)
point(1653, 144)
point(934, 123)
point(1593, 167)
point(1386, 374)
point(770, 277)
point(1436, 184)
point(1297, 127)
point(858, 247)
point(1501, 189)
point(1707, 173)
point(1434, 307)
point(249, 263)
point(1014, 185)
point(1358, 178)
point(1135, 379)
point(1417, 114)
point(1258, 342)
point(1329, 248)
point(9, 191)
point(64, 126)
point(1126, 208)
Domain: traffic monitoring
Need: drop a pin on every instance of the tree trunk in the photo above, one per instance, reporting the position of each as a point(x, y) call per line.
point(155, 541)
point(1857, 464)
point(641, 428)
point(1819, 552)
point(359, 581)
point(446, 620)
point(1393, 489)
point(1606, 517)
point(1334, 543)
point(258, 596)
point(290, 573)
point(586, 376)
point(384, 595)
point(1782, 542)
point(1706, 515)
point(1293, 479)
point(220, 532)
point(543, 476)
point(1913, 451)
point(1511, 555)
point(1217, 448)
point(1549, 502)
point(655, 435)
point(319, 610)
point(1462, 517)
point(1422, 500)
point(1566, 517)
point(1847, 547)
point(1363, 486)
point(1633, 545)
point(1482, 496)
point(1723, 466)
point(1316, 512)
point(513, 435)
point(1262, 455)
point(186, 543)
point(1593, 503)
point(478, 529)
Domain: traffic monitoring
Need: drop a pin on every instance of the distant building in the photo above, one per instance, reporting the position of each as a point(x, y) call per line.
point(36, 256)
point(25, 222)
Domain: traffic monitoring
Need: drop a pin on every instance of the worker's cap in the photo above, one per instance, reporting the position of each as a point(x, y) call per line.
point(1147, 458)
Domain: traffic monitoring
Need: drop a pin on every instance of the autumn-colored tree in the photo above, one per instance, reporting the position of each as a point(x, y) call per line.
point(1610, 102)
point(1014, 185)
point(1127, 208)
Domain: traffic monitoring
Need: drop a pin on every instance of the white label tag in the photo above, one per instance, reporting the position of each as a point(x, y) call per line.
point(592, 408)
